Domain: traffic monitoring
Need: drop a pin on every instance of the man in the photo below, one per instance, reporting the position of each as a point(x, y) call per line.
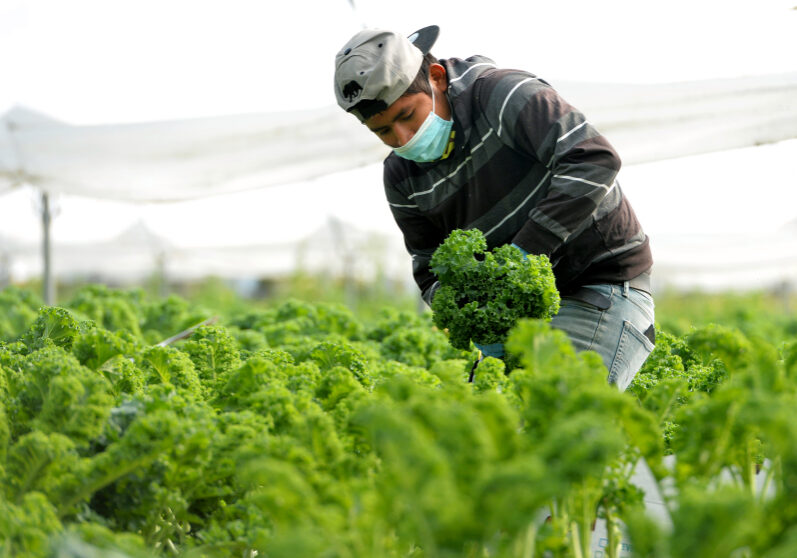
point(475, 146)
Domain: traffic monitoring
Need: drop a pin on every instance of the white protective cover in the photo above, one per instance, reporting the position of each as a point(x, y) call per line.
point(181, 159)
point(195, 158)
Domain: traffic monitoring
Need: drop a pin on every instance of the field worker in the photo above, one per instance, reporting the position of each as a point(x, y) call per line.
point(499, 150)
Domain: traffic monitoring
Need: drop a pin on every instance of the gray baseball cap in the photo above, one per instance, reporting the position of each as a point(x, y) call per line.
point(378, 65)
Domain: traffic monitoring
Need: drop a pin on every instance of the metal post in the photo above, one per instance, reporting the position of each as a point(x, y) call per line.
point(160, 274)
point(5, 270)
point(47, 280)
point(347, 257)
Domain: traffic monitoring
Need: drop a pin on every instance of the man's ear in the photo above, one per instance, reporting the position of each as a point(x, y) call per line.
point(438, 76)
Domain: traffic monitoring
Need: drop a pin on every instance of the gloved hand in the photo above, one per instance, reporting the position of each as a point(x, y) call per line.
point(495, 350)
point(525, 254)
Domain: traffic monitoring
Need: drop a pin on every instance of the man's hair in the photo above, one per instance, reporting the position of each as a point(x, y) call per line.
point(421, 82)
point(370, 107)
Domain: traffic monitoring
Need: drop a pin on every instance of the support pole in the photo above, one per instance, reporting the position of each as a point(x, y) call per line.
point(160, 274)
point(5, 270)
point(347, 257)
point(48, 284)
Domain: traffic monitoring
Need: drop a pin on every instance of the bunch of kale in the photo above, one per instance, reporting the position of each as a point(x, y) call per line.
point(484, 293)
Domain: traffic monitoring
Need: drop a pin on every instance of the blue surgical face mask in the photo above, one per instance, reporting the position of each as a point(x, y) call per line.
point(430, 141)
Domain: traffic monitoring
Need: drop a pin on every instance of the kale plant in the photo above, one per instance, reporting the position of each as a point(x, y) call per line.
point(484, 293)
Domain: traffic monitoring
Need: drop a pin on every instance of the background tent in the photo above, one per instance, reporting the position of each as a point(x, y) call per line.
point(176, 160)
point(186, 159)
point(711, 218)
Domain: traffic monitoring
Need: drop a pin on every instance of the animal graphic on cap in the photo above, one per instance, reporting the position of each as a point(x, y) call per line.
point(352, 90)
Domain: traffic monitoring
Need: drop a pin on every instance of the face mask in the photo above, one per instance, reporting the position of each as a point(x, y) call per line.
point(430, 141)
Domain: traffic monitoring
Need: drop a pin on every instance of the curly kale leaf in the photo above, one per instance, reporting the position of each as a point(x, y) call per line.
point(26, 526)
point(329, 354)
point(18, 310)
point(163, 318)
point(54, 393)
point(95, 347)
point(484, 293)
point(54, 326)
point(416, 346)
point(293, 321)
point(167, 365)
point(112, 309)
point(214, 352)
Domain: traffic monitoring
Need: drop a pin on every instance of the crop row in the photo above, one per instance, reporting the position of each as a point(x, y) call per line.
point(298, 430)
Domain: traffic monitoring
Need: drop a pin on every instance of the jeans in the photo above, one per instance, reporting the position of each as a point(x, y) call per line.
point(621, 334)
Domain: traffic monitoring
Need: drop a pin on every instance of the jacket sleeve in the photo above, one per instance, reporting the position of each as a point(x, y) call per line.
point(421, 236)
point(582, 166)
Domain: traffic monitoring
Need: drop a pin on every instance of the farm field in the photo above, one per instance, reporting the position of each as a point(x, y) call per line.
point(292, 428)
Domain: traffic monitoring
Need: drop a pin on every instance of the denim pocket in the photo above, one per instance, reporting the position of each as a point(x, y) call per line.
point(632, 350)
point(643, 301)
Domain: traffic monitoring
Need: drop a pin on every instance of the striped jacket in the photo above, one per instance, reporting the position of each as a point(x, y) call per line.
point(526, 168)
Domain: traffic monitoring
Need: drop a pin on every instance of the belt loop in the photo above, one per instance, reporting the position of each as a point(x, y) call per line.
point(625, 288)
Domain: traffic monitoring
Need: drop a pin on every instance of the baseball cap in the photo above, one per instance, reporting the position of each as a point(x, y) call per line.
point(379, 65)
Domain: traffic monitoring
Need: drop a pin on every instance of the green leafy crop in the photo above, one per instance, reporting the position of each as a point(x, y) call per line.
point(483, 293)
point(296, 430)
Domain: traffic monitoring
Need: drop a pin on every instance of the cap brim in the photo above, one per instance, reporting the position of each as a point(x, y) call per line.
point(425, 38)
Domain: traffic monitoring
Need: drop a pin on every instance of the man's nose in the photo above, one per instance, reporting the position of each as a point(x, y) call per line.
point(403, 134)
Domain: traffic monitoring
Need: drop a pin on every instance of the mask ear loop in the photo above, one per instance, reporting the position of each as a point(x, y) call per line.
point(432, 88)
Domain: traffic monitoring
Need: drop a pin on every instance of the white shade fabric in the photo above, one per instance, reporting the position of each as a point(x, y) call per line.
point(180, 160)
point(195, 158)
